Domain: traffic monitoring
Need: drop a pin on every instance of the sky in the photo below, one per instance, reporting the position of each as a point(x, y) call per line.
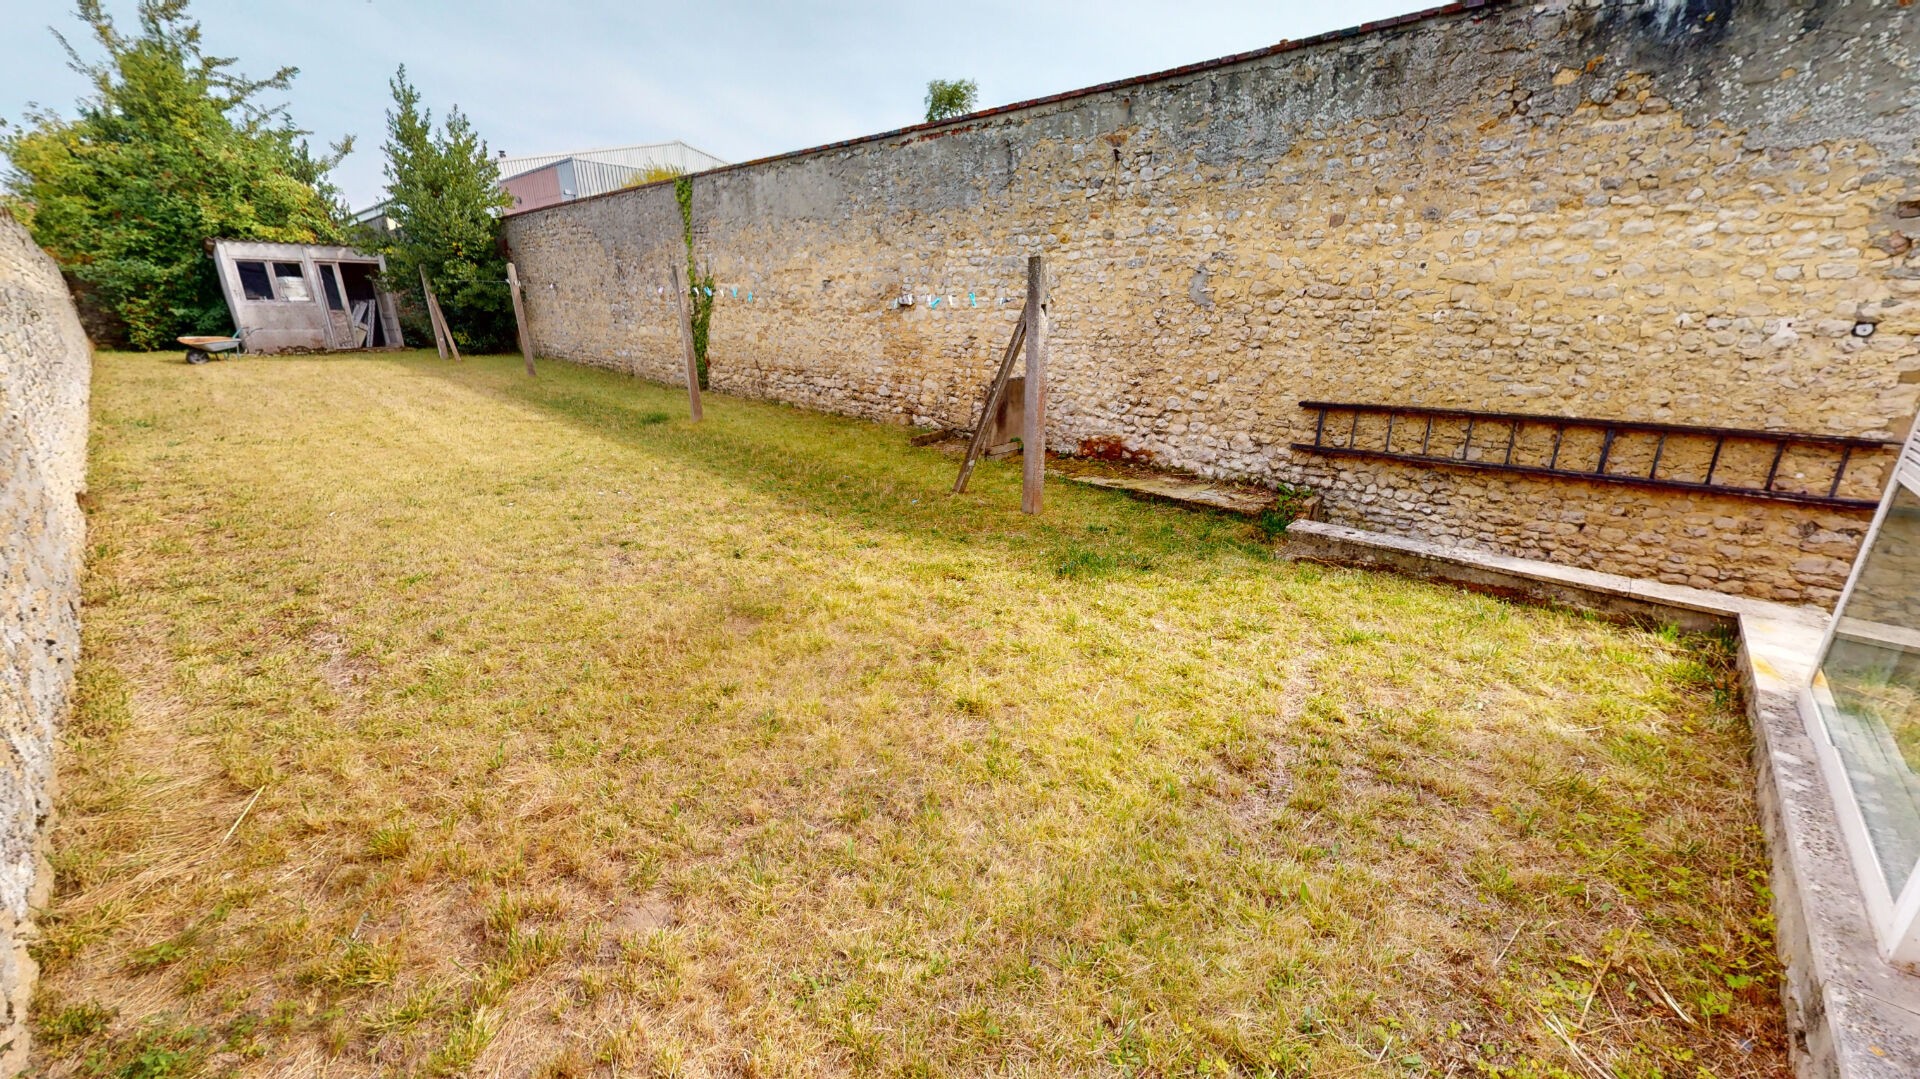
point(739, 80)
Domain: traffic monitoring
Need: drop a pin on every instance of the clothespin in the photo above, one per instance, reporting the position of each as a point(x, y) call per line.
point(971, 302)
point(933, 302)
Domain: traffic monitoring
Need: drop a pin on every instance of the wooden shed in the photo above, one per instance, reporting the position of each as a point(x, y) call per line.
point(306, 297)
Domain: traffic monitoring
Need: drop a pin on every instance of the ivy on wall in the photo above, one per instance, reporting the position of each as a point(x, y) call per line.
point(699, 285)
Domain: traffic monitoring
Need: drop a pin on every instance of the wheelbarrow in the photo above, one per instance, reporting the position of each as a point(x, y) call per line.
point(202, 349)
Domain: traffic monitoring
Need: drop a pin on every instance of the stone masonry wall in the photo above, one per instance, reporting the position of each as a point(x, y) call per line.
point(1673, 211)
point(45, 364)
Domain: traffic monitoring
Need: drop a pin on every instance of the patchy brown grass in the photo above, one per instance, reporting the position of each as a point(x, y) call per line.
point(437, 722)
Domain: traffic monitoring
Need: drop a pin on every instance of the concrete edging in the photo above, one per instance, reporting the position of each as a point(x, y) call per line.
point(1850, 1014)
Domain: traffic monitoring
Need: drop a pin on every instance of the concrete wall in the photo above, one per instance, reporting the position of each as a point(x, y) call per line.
point(1673, 211)
point(44, 373)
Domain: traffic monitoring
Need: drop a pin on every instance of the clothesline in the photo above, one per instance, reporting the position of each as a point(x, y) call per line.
point(933, 300)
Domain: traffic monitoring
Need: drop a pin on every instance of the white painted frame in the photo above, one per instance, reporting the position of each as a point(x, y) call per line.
point(1895, 918)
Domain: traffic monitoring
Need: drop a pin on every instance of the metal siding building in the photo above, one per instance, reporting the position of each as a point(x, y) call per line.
point(537, 180)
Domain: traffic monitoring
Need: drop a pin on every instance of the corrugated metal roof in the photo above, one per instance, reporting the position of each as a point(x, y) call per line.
point(592, 177)
point(645, 156)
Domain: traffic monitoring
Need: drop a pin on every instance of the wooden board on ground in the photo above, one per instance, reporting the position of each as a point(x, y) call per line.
point(1186, 491)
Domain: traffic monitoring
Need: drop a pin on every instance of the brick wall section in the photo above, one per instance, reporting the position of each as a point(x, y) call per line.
point(44, 373)
point(1656, 211)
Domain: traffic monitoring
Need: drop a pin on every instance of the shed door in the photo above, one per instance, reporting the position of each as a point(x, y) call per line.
point(347, 332)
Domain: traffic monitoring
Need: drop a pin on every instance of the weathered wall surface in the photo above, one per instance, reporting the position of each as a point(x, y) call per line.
point(1670, 211)
point(44, 375)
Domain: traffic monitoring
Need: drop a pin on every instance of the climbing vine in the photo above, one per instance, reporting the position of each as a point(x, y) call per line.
point(699, 285)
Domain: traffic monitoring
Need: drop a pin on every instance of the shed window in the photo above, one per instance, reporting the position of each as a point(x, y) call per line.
point(292, 281)
point(254, 283)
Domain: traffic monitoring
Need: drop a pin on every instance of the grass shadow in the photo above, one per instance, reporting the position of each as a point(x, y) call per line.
point(860, 471)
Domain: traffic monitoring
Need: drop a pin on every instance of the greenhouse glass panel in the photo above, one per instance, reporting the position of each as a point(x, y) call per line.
point(1868, 690)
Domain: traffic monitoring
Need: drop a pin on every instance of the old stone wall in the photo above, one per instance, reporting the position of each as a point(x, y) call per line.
point(1676, 211)
point(44, 376)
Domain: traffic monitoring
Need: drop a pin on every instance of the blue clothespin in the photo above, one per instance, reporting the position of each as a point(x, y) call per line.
point(933, 303)
point(749, 295)
point(971, 302)
point(736, 292)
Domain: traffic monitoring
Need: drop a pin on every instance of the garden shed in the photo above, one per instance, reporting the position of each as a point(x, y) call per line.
point(306, 297)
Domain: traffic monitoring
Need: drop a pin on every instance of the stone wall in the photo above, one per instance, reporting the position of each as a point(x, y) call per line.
point(44, 374)
point(1673, 211)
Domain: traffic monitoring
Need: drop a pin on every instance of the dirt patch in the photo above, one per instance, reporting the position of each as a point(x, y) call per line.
point(344, 672)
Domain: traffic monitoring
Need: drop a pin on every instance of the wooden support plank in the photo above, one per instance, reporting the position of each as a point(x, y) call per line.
point(439, 318)
point(520, 319)
point(996, 389)
point(1033, 436)
point(686, 339)
point(453, 347)
point(433, 320)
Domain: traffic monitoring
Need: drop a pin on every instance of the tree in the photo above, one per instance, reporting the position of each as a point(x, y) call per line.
point(950, 97)
point(170, 149)
point(443, 193)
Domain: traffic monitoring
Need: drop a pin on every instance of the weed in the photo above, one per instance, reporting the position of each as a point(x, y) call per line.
point(389, 841)
point(57, 1028)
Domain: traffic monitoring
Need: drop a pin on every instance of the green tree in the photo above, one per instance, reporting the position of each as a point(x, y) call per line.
point(950, 97)
point(443, 192)
point(170, 149)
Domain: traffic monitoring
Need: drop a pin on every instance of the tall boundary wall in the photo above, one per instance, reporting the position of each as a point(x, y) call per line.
point(45, 372)
point(1681, 211)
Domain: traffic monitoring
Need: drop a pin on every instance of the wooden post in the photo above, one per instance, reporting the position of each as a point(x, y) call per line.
point(520, 319)
point(433, 321)
point(1033, 431)
point(686, 340)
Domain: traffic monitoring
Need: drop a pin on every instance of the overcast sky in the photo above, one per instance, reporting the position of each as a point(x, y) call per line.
point(739, 80)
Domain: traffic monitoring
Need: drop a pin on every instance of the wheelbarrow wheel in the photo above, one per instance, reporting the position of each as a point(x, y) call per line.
point(194, 355)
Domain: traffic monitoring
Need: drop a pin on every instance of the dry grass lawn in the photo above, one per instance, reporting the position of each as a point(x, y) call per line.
point(435, 721)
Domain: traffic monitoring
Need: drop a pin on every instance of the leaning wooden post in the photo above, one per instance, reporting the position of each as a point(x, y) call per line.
point(453, 347)
point(439, 318)
point(520, 319)
point(1033, 431)
point(996, 390)
point(426, 301)
point(686, 340)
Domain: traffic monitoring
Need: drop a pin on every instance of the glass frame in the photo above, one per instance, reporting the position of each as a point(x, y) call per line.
point(1894, 914)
